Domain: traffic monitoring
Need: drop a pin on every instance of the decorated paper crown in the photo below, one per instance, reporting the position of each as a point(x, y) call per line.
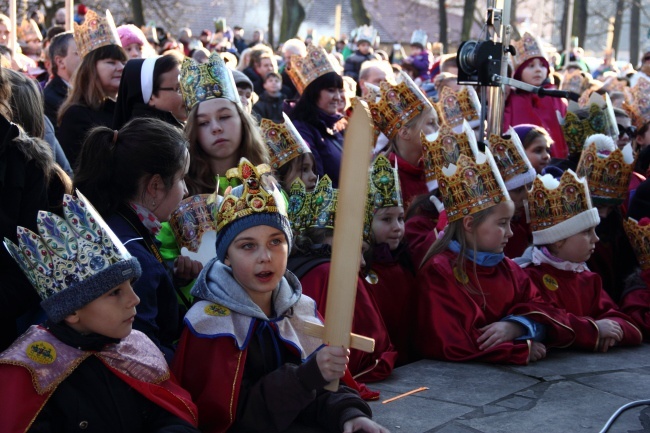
point(510, 156)
point(366, 33)
point(607, 169)
point(445, 147)
point(322, 205)
point(575, 81)
point(299, 203)
point(384, 187)
point(600, 120)
point(471, 185)
point(304, 70)
point(455, 107)
point(95, 32)
point(639, 235)
point(420, 37)
point(283, 140)
point(220, 24)
point(528, 47)
point(396, 105)
point(193, 217)
point(73, 260)
point(200, 82)
point(559, 209)
point(639, 107)
point(29, 30)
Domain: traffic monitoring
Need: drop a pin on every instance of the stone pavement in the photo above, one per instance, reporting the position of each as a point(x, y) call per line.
point(567, 391)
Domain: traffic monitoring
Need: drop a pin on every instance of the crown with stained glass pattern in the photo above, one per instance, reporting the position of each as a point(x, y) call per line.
point(304, 70)
point(299, 205)
point(323, 202)
point(283, 141)
point(575, 81)
point(95, 32)
point(528, 47)
point(193, 217)
point(638, 232)
point(200, 82)
point(455, 107)
point(258, 195)
point(638, 108)
point(384, 187)
point(510, 156)
point(607, 169)
point(446, 148)
point(395, 105)
point(71, 261)
point(600, 120)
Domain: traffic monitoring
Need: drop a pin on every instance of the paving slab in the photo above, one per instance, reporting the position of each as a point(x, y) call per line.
point(633, 384)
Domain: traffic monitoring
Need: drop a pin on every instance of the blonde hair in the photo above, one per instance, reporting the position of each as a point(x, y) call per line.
point(416, 124)
point(199, 179)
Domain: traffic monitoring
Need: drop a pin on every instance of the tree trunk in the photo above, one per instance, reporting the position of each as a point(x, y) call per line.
point(634, 31)
point(138, 13)
point(293, 14)
point(468, 19)
point(270, 32)
point(565, 15)
point(359, 13)
point(442, 11)
point(583, 15)
point(618, 24)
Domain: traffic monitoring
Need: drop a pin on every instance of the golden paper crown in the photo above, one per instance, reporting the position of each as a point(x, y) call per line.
point(510, 156)
point(384, 187)
point(396, 105)
point(323, 201)
point(283, 140)
point(575, 81)
point(192, 218)
point(528, 47)
point(471, 185)
point(28, 30)
point(548, 206)
point(455, 107)
point(95, 32)
point(299, 203)
point(639, 236)
point(639, 107)
point(200, 82)
point(446, 149)
point(304, 70)
point(600, 120)
point(608, 173)
point(257, 196)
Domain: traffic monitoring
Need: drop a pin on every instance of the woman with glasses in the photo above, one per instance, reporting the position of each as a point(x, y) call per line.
point(150, 88)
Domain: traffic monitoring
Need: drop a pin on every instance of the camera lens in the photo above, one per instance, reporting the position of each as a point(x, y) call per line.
point(467, 57)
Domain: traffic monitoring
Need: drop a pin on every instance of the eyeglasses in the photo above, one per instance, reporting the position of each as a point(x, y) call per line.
point(171, 89)
point(629, 130)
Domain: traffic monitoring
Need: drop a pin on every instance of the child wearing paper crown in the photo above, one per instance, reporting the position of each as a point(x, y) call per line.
point(244, 356)
point(312, 216)
point(635, 300)
point(85, 367)
point(474, 303)
point(390, 271)
point(531, 67)
point(563, 242)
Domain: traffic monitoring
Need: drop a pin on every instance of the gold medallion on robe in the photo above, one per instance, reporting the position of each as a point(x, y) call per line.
point(216, 310)
point(550, 282)
point(461, 276)
point(41, 352)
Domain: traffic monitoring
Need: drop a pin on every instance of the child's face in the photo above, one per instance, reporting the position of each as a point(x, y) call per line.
point(111, 315)
point(171, 198)
point(388, 226)
point(303, 168)
point(537, 153)
point(219, 128)
point(134, 51)
point(518, 195)
point(258, 258)
point(363, 47)
point(415, 50)
point(246, 96)
point(577, 248)
point(534, 73)
point(273, 85)
point(492, 234)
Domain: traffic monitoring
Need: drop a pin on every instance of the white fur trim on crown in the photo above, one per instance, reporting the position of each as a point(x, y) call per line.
point(567, 228)
point(521, 179)
point(146, 78)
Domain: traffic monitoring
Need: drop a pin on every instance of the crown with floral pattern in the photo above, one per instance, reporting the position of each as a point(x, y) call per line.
point(639, 235)
point(193, 217)
point(607, 169)
point(257, 196)
point(395, 105)
point(470, 185)
point(283, 141)
point(638, 108)
point(455, 107)
point(299, 203)
point(528, 47)
point(95, 32)
point(446, 148)
point(510, 156)
point(72, 260)
point(600, 120)
point(304, 70)
point(323, 202)
point(200, 82)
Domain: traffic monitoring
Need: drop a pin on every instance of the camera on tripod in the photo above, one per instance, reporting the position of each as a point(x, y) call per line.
point(479, 62)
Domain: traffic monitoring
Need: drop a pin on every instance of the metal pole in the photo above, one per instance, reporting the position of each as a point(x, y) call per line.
point(569, 31)
point(337, 22)
point(69, 15)
point(496, 94)
point(14, 30)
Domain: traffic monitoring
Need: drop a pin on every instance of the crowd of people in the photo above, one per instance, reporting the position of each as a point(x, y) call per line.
point(168, 211)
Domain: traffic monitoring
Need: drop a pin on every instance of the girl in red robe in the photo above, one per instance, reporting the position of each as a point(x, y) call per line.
point(635, 300)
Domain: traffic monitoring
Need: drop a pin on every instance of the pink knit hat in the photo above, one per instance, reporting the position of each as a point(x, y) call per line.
point(130, 34)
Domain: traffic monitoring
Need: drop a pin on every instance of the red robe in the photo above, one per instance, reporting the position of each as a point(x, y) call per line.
point(411, 179)
point(636, 304)
point(581, 294)
point(449, 316)
point(522, 107)
point(365, 367)
point(32, 380)
point(420, 232)
point(522, 237)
